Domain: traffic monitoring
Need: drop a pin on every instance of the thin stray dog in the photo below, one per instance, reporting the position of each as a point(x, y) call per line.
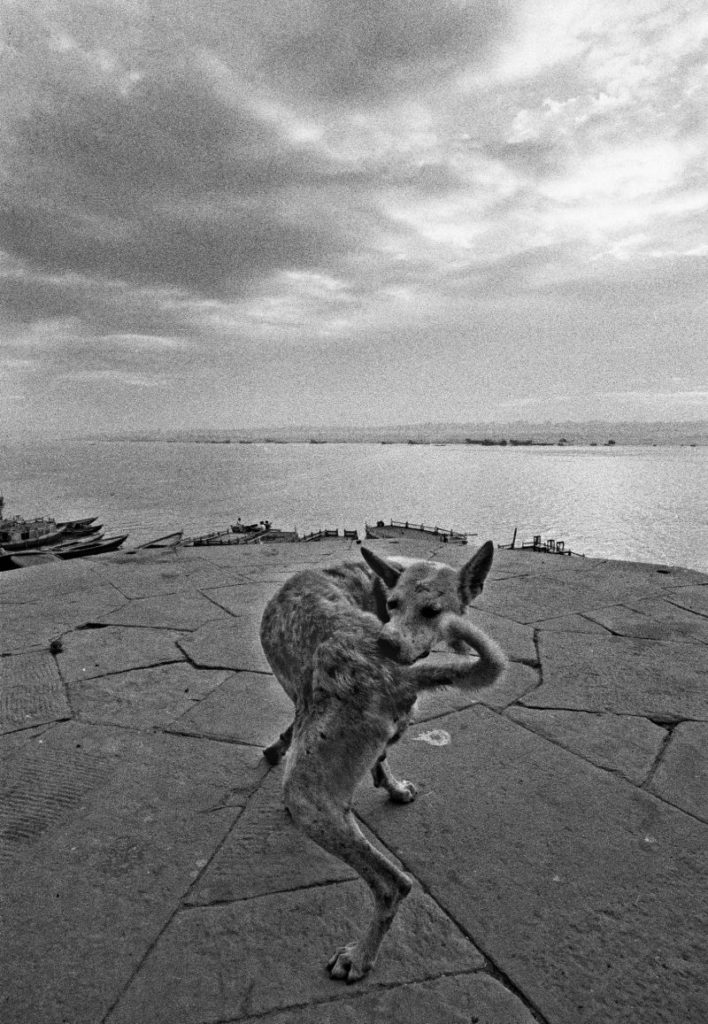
point(346, 645)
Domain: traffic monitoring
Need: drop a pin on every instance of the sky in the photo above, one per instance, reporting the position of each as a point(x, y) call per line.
point(223, 214)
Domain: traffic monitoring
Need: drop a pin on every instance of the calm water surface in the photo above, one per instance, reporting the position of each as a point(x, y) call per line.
point(647, 504)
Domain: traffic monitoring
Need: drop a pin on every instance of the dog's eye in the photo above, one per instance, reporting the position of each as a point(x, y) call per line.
point(429, 612)
point(392, 604)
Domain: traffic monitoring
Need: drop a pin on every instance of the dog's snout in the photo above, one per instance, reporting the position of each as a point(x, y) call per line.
point(390, 645)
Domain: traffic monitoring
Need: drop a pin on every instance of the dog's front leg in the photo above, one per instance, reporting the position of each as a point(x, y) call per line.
point(401, 791)
point(324, 818)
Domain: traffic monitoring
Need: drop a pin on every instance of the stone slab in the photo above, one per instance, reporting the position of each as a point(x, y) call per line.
point(138, 577)
point(682, 775)
point(31, 691)
point(245, 598)
point(185, 610)
point(146, 698)
point(247, 708)
point(10, 742)
point(119, 825)
point(653, 619)
point(37, 623)
point(233, 644)
point(266, 853)
point(589, 894)
point(516, 641)
point(626, 676)
point(96, 652)
point(526, 562)
point(245, 958)
point(49, 580)
point(534, 599)
point(460, 999)
point(618, 743)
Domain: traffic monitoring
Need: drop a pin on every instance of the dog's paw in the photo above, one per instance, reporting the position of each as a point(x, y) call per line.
point(349, 964)
point(404, 792)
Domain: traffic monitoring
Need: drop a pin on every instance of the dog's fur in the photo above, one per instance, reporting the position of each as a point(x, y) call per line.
point(346, 645)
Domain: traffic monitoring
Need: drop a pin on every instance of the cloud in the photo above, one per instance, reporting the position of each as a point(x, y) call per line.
point(250, 181)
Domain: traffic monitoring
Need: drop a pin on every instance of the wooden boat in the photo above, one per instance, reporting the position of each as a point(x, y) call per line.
point(27, 535)
point(392, 529)
point(170, 540)
point(81, 549)
point(77, 532)
point(78, 524)
point(239, 527)
point(275, 536)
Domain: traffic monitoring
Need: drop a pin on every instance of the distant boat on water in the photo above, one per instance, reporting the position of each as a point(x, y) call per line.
point(392, 529)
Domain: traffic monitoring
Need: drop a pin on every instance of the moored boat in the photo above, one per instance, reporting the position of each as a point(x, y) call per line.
point(90, 546)
point(170, 540)
point(392, 529)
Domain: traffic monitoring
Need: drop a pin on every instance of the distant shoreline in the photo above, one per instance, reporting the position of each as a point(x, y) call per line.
point(449, 442)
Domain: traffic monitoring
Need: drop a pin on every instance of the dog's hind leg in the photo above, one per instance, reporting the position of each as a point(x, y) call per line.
point(326, 819)
point(400, 790)
point(277, 751)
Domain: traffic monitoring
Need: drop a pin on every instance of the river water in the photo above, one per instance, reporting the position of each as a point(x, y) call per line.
point(639, 503)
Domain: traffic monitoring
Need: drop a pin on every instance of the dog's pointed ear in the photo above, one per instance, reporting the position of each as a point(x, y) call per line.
point(471, 577)
point(388, 573)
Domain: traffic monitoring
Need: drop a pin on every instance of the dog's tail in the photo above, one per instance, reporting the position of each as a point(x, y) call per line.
point(464, 672)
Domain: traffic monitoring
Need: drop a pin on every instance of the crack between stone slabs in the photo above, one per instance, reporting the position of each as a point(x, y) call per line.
point(354, 993)
point(492, 967)
point(187, 908)
point(177, 910)
point(669, 727)
point(207, 736)
point(689, 611)
point(122, 671)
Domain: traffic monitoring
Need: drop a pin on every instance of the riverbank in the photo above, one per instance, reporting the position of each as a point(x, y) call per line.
point(558, 843)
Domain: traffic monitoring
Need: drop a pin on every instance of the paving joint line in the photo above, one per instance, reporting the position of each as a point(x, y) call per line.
point(494, 968)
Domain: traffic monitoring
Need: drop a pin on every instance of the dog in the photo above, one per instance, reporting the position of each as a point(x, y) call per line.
point(349, 645)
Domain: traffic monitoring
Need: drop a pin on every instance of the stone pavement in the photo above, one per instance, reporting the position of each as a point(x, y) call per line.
point(559, 842)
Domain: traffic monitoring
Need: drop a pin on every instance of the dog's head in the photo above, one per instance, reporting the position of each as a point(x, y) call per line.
point(419, 595)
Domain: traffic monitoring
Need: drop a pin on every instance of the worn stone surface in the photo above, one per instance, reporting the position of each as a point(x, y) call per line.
point(25, 628)
point(148, 574)
point(572, 624)
point(682, 776)
point(654, 619)
point(247, 708)
point(31, 691)
point(121, 846)
point(121, 823)
point(45, 582)
point(185, 610)
point(591, 893)
point(461, 999)
point(207, 965)
point(39, 622)
point(516, 640)
point(247, 598)
point(145, 698)
point(694, 598)
point(96, 652)
point(266, 853)
point(622, 675)
point(530, 599)
point(231, 644)
point(619, 743)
